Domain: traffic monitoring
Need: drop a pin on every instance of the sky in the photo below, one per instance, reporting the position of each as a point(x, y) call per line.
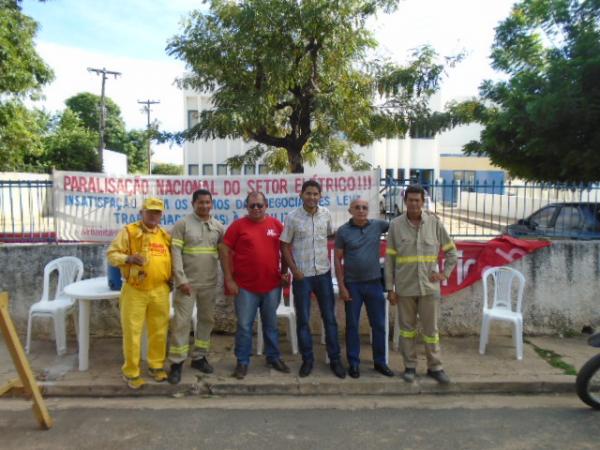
point(130, 36)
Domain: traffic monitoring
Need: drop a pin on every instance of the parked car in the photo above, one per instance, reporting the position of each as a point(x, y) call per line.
point(575, 220)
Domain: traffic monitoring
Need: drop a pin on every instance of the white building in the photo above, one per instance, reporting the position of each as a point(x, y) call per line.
point(416, 158)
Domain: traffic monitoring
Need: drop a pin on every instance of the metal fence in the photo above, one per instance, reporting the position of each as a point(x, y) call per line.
point(484, 210)
point(468, 210)
point(26, 211)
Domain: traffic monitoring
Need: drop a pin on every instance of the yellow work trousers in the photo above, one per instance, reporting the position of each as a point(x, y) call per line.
point(426, 308)
point(139, 307)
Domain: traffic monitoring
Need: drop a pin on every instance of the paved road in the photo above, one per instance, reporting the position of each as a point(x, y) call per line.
point(419, 422)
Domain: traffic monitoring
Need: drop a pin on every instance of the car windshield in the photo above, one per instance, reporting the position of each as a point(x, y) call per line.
point(543, 217)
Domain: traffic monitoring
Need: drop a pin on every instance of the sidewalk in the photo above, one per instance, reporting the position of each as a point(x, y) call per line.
point(495, 372)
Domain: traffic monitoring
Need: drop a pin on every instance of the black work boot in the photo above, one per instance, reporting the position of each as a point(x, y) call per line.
point(202, 365)
point(175, 373)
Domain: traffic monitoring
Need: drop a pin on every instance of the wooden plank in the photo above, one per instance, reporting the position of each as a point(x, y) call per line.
point(22, 364)
point(12, 384)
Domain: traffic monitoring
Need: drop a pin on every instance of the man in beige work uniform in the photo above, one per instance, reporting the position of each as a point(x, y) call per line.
point(194, 244)
point(412, 280)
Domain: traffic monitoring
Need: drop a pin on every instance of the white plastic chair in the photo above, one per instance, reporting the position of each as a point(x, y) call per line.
point(70, 270)
point(502, 305)
point(283, 311)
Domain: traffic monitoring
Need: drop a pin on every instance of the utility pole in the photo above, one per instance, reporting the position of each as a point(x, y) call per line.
point(104, 73)
point(147, 110)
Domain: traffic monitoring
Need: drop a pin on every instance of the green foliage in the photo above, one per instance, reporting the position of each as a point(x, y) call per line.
point(135, 146)
point(542, 123)
point(133, 143)
point(554, 359)
point(87, 107)
point(22, 74)
point(70, 145)
point(22, 71)
point(21, 142)
point(167, 169)
point(296, 76)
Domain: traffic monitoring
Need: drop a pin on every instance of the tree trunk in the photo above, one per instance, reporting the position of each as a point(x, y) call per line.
point(296, 164)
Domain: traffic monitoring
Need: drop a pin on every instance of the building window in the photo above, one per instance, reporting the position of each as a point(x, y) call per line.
point(193, 117)
point(207, 169)
point(263, 169)
point(221, 169)
point(249, 169)
point(193, 169)
point(235, 170)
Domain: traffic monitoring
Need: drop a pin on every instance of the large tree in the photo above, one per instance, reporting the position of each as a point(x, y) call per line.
point(116, 137)
point(297, 78)
point(21, 138)
point(70, 145)
point(543, 122)
point(22, 75)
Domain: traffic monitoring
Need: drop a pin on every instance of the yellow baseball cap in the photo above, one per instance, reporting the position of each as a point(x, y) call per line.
point(153, 204)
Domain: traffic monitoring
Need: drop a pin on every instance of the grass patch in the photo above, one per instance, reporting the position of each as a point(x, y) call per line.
point(554, 359)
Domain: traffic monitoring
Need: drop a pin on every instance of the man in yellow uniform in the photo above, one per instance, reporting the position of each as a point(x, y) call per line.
point(412, 279)
point(195, 265)
point(142, 250)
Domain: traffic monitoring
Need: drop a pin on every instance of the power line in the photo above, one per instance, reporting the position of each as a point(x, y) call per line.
point(147, 110)
point(102, 124)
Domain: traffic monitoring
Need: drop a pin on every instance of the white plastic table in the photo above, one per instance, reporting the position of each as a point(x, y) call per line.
point(86, 291)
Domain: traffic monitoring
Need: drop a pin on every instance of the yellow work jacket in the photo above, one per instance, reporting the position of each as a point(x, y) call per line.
point(412, 255)
point(194, 249)
point(154, 245)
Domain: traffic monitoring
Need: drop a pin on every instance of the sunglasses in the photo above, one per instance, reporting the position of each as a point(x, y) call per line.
point(256, 205)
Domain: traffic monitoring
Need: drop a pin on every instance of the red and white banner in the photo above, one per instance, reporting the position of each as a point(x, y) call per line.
point(475, 257)
point(95, 206)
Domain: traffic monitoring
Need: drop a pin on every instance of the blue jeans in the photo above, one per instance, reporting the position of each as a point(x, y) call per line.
point(323, 289)
point(371, 294)
point(246, 305)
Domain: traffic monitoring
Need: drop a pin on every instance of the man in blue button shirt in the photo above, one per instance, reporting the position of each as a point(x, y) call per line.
point(359, 281)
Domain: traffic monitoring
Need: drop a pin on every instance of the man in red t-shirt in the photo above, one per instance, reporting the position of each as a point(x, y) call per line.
point(256, 278)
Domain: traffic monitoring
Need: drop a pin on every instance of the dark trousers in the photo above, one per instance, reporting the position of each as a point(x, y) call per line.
point(323, 289)
point(371, 294)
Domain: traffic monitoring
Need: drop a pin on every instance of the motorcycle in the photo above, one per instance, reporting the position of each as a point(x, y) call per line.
point(588, 378)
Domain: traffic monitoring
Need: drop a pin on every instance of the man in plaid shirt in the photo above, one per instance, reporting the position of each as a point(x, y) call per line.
point(304, 247)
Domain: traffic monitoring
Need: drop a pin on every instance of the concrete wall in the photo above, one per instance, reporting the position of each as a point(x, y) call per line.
point(561, 293)
point(23, 272)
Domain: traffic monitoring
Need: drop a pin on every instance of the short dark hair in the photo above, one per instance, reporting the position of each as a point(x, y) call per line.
point(255, 193)
point(310, 183)
point(414, 189)
point(200, 192)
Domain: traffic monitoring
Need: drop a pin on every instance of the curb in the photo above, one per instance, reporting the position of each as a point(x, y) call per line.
point(317, 388)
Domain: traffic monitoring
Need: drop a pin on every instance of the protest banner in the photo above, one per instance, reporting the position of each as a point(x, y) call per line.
point(95, 206)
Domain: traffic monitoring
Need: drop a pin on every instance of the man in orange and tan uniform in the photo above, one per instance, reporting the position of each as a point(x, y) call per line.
point(412, 279)
point(195, 271)
point(142, 251)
